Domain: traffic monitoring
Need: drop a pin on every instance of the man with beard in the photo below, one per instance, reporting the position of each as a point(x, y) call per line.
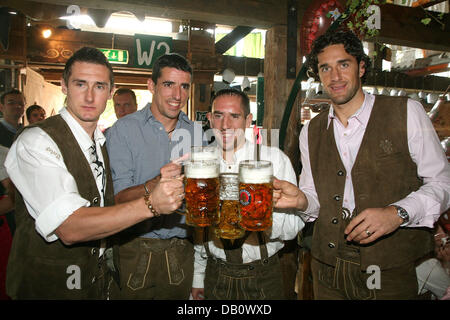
point(374, 179)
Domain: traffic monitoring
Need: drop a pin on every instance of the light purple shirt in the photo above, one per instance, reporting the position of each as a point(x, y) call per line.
point(425, 205)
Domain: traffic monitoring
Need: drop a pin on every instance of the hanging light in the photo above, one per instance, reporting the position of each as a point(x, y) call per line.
point(422, 95)
point(414, 96)
point(432, 98)
point(384, 92)
point(228, 76)
point(245, 84)
point(260, 73)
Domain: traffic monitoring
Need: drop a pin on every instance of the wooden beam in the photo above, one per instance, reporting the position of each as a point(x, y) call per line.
point(401, 80)
point(402, 26)
point(427, 4)
point(63, 42)
point(232, 38)
point(256, 13)
point(238, 64)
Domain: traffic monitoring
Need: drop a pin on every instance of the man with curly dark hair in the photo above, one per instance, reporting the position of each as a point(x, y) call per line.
point(374, 180)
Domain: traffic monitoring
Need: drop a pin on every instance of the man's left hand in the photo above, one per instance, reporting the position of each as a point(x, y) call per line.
point(373, 223)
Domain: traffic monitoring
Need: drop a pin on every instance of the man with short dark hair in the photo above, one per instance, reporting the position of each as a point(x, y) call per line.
point(124, 102)
point(35, 113)
point(64, 208)
point(252, 261)
point(12, 106)
point(156, 258)
point(374, 179)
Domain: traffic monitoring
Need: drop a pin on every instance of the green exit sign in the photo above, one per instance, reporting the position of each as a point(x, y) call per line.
point(115, 55)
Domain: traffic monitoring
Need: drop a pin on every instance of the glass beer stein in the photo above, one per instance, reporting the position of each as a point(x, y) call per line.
point(255, 194)
point(201, 189)
point(229, 217)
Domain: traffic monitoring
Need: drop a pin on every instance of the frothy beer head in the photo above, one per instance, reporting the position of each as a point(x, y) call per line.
point(204, 153)
point(201, 169)
point(255, 172)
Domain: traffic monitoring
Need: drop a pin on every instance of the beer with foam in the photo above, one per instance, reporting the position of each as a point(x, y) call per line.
point(256, 194)
point(202, 189)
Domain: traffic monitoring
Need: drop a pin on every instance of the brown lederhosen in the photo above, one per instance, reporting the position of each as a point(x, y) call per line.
point(234, 280)
point(160, 269)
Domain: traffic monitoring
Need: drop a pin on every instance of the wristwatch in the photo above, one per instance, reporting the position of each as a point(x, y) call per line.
point(402, 213)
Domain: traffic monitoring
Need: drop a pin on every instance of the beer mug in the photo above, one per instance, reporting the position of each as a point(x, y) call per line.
point(229, 217)
point(201, 190)
point(204, 153)
point(255, 194)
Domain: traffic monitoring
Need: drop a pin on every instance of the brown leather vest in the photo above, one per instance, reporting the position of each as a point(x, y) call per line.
point(383, 173)
point(38, 269)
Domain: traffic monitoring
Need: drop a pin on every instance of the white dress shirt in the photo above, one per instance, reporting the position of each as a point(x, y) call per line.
point(286, 224)
point(37, 169)
point(425, 205)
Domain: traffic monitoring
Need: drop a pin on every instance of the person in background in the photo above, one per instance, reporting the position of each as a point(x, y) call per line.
point(6, 213)
point(374, 178)
point(124, 102)
point(156, 257)
point(64, 205)
point(251, 270)
point(433, 274)
point(12, 106)
point(35, 113)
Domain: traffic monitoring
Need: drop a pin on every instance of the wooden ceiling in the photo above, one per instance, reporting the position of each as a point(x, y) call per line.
point(400, 25)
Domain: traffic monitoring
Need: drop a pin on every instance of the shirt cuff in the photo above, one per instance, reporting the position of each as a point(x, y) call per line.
point(56, 213)
point(416, 219)
point(312, 211)
point(198, 281)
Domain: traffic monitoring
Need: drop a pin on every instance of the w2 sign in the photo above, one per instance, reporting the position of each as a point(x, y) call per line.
point(149, 48)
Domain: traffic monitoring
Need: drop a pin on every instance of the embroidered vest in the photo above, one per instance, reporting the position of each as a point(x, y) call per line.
point(383, 173)
point(38, 269)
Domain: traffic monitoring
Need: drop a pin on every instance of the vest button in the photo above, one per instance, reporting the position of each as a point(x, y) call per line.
point(340, 173)
point(334, 221)
point(94, 251)
point(265, 261)
point(95, 200)
point(251, 267)
point(337, 197)
point(331, 245)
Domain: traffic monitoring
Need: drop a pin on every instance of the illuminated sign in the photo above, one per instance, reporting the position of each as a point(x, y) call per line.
point(115, 55)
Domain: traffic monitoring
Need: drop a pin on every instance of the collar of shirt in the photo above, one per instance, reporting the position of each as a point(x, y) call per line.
point(148, 116)
point(246, 152)
point(362, 115)
point(9, 126)
point(80, 134)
